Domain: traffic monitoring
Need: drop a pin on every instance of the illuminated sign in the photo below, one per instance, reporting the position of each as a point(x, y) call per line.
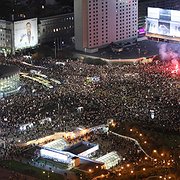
point(153, 13)
point(25, 33)
point(163, 22)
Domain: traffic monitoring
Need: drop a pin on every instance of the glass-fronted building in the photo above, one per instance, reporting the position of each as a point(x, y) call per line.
point(9, 80)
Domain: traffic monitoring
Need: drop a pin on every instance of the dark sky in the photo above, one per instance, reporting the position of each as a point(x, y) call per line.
point(7, 6)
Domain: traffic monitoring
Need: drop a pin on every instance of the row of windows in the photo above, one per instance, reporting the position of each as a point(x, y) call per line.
point(51, 29)
point(2, 40)
point(118, 34)
point(4, 32)
point(119, 24)
point(7, 35)
point(120, 9)
point(126, 5)
point(92, 6)
point(121, 15)
point(63, 28)
point(128, 18)
point(58, 20)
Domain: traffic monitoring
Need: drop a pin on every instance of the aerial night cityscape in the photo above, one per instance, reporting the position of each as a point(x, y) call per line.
point(89, 89)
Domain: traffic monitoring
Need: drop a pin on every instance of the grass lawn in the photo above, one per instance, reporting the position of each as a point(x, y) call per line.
point(30, 170)
point(52, 163)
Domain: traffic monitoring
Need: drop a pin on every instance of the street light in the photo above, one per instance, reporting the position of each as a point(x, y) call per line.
point(102, 175)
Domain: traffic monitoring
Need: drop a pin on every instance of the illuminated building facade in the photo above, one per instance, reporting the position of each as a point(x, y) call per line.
point(163, 24)
point(9, 80)
point(144, 4)
point(6, 38)
point(100, 22)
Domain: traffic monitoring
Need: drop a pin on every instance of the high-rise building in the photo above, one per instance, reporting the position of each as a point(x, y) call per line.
point(100, 22)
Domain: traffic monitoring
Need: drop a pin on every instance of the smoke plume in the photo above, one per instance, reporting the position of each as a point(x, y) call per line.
point(169, 51)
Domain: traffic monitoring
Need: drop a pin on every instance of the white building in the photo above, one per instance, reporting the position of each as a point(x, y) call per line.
point(110, 160)
point(100, 22)
point(6, 39)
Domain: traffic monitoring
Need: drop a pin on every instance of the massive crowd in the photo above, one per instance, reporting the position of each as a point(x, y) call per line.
point(123, 93)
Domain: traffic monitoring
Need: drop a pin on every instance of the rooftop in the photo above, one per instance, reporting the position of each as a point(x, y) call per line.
point(59, 144)
point(8, 70)
point(80, 147)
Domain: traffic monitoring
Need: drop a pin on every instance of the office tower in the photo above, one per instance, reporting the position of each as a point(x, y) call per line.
point(100, 22)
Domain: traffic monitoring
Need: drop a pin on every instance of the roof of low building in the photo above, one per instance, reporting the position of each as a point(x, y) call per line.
point(8, 70)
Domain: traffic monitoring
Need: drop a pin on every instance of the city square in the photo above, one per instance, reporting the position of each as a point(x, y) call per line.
point(103, 108)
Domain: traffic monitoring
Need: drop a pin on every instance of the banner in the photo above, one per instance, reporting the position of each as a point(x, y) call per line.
point(25, 33)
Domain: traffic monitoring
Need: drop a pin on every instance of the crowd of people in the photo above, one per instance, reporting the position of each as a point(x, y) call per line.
point(123, 92)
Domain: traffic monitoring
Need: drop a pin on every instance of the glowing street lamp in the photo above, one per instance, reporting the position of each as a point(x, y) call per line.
point(102, 175)
point(113, 124)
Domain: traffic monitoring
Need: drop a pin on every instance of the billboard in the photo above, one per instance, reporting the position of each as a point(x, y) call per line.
point(163, 23)
point(25, 33)
point(164, 14)
point(153, 13)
